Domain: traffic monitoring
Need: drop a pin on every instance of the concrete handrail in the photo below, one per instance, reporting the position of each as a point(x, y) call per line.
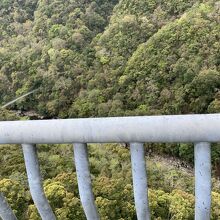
point(176, 128)
point(198, 129)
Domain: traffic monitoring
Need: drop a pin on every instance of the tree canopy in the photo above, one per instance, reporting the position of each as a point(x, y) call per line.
point(90, 58)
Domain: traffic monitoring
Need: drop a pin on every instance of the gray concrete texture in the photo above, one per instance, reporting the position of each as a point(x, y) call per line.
point(176, 128)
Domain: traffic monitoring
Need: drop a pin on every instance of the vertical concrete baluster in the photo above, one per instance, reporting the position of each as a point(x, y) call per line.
point(139, 181)
point(35, 182)
point(6, 212)
point(202, 152)
point(84, 181)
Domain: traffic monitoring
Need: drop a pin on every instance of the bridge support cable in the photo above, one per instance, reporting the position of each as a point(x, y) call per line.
point(84, 181)
point(6, 212)
point(139, 175)
point(35, 182)
point(202, 152)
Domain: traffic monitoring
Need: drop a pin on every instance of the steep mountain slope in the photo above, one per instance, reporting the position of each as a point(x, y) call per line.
point(132, 23)
point(49, 49)
point(178, 69)
point(87, 57)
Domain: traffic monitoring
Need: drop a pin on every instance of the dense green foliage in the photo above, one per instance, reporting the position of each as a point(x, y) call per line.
point(143, 57)
point(177, 70)
point(108, 58)
point(46, 44)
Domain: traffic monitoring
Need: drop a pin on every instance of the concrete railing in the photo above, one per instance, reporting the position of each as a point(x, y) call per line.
point(198, 129)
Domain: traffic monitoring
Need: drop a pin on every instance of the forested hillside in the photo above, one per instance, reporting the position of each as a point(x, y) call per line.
point(96, 58)
point(104, 58)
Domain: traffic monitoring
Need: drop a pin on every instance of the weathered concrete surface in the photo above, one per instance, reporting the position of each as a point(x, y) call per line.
point(176, 128)
point(139, 174)
point(202, 181)
point(35, 182)
point(84, 181)
point(6, 212)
